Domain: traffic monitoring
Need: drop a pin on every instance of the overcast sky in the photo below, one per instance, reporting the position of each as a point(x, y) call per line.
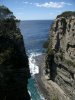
point(38, 9)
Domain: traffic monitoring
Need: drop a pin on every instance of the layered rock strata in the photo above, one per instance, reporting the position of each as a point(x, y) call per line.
point(60, 59)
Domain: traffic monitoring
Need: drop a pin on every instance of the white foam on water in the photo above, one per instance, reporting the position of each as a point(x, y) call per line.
point(42, 98)
point(29, 94)
point(34, 69)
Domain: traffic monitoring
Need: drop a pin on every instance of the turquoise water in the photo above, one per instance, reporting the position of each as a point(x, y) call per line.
point(35, 33)
point(34, 91)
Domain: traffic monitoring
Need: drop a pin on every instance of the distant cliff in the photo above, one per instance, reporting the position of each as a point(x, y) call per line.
point(14, 68)
point(60, 59)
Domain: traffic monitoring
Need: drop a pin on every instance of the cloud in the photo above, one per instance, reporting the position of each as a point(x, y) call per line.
point(49, 4)
point(69, 4)
point(26, 2)
point(52, 4)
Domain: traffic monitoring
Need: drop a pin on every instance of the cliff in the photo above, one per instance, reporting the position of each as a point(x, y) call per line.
point(60, 59)
point(14, 68)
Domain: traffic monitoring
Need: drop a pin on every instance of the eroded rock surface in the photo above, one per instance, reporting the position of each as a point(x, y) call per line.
point(60, 59)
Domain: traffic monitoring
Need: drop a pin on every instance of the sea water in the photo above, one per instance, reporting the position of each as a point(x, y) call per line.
point(35, 33)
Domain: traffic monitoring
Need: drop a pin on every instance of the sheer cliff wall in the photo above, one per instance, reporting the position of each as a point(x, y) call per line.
point(14, 68)
point(60, 59)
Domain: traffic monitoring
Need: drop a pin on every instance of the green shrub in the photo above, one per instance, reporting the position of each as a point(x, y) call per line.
point(67, 14)
point(55, 98)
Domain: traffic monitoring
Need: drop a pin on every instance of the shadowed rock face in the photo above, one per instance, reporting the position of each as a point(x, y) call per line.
point(14, 68)
point(60, 60)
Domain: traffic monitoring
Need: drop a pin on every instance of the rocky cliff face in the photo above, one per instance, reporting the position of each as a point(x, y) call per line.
point(14, 68)
point(60, 60)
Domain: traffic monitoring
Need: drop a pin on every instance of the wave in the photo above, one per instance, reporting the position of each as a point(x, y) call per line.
point(34, 69)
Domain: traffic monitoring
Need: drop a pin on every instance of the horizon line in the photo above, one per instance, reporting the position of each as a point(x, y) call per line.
point(34, 19)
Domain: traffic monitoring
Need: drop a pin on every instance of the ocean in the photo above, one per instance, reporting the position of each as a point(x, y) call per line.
point(35, 33)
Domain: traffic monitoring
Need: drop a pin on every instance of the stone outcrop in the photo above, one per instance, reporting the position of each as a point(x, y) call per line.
point(60, 59)
point(14, 68)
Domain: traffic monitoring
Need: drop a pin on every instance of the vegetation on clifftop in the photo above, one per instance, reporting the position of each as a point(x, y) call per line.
point(67, 14)
point(5, 13)
point(14, 68)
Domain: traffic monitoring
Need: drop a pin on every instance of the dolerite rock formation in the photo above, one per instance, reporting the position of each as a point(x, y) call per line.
point(60, 59)
point(14, 68)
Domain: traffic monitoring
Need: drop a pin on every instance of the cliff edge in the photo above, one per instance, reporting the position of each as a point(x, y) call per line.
point(60, 59)
point(14, 68)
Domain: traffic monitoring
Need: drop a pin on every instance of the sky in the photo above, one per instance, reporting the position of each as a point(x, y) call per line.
point(38, 9)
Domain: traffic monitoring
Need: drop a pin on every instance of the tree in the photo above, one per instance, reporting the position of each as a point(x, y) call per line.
point(5, 13)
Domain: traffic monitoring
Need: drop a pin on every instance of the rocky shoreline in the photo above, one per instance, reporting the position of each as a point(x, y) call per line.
point(40, 61)
point(49, 89)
